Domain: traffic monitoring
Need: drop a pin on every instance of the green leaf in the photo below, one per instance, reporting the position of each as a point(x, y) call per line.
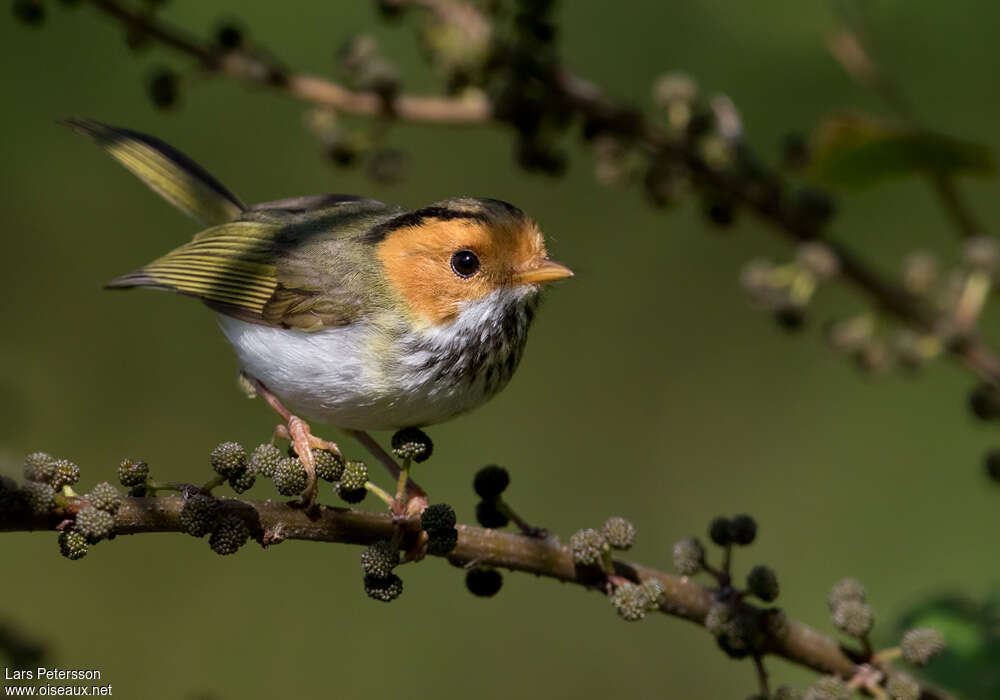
point(857, 150)
point(971, 630)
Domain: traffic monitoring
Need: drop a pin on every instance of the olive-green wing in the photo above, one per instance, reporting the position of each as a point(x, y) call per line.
point(170, 173)
point(281, 266)
point(230, 267)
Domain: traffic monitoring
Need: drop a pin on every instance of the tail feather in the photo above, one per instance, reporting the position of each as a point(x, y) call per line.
point(170, 173)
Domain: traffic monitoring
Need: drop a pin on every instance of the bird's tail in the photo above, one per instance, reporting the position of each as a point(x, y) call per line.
point(170, 173)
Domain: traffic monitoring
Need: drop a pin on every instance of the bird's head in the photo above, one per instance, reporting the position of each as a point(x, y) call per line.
point(445, 255)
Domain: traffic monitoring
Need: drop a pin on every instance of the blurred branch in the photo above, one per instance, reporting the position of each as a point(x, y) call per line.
point(854, 49)
point(270, 523)
point(246, 67)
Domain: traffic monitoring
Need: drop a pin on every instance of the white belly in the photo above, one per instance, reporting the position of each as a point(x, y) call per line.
point(359, 376)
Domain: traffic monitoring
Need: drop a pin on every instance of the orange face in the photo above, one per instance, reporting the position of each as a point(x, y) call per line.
point(438, 264)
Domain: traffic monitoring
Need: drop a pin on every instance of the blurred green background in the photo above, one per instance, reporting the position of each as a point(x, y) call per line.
point(649, 390)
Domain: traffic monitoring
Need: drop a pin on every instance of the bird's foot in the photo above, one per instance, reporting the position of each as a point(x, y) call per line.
point(304, 442)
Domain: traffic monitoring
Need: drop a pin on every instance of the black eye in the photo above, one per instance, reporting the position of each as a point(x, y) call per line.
point(465, 263)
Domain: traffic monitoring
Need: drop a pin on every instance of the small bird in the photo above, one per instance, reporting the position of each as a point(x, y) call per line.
point(344, 310)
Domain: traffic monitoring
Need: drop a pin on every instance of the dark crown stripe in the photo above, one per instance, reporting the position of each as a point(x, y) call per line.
point(415, 218)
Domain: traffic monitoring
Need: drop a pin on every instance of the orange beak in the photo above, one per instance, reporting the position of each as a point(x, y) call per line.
point(544, 271)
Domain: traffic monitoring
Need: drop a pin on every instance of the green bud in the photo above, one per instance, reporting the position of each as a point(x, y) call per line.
point(72, 544)
point(66, 474)
point(329, 465)
point(385, 589)
point(412, 443)
point(631, 601)
point(94, 524)
point(290, 478)
point(104, 496)
point(229, 535)
point(264, 460)
point(763, 583)
point(379, 559)
point(132, 472)
point(846, 589)
point(41, 497)
point(228, 459)
point(787, 692)
point(619, 532)
point(921, 645)
point(902, 687)
point(689, 556)
point(199, 514)
point(355, 476)
point(828, 688)
point(654, 592)
point(854, 618)
point(39, 466)
point(588, 547)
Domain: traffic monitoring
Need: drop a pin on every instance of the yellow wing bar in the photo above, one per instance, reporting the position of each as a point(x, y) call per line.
point(232, 265)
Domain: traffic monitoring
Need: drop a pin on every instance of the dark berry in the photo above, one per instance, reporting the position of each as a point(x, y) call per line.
point(720, 212)
point(199, 514)
point(483, 582)
point(72, 544)
point(229, 535)
point(439, 516)
point(385, 589)
point(163, 88)
point(742, 530)
point(352, 496)
point(718, 531)
point(441, 542)
point(993, 464)
point(488, 515)
point(242, 481)
point(984, 401)
point(763, 583)
point(490, 482)
point(229, 36)
point(31, 12)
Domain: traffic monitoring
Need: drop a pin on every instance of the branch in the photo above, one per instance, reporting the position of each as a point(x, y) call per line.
point(271, 522)
point(246, 67)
